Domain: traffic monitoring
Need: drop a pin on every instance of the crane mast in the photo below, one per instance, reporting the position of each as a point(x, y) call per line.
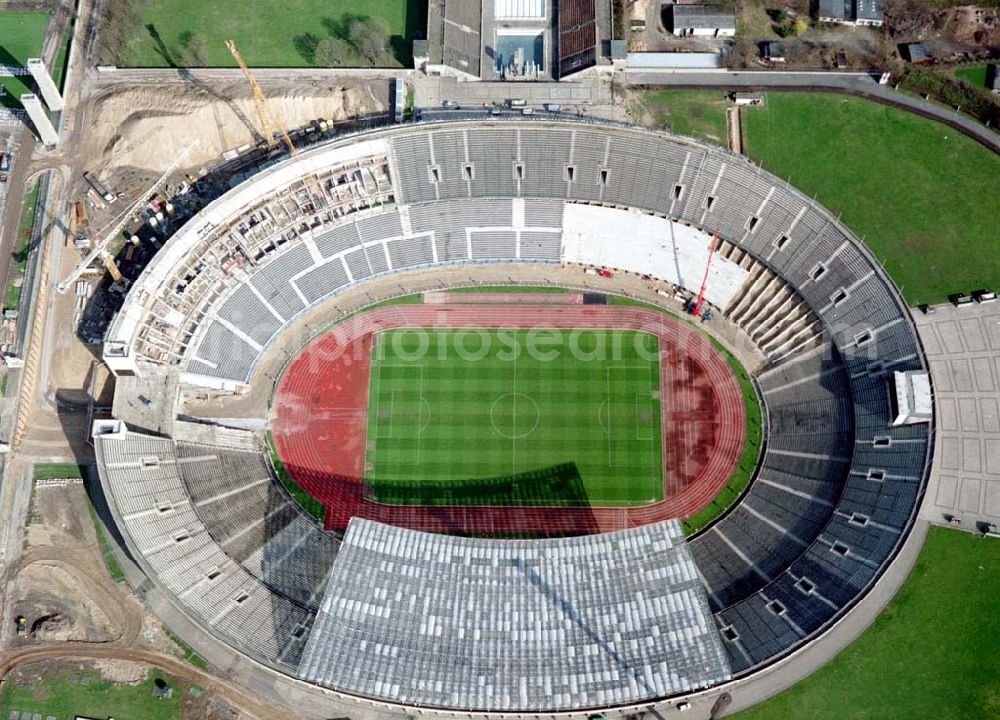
point(111, 231)
point(268, 123)
point(704, 281)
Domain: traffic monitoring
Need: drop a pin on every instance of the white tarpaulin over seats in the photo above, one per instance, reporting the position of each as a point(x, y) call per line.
point(650, 245)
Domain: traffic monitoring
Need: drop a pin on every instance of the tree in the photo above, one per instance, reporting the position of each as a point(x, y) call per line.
point(332, 52)
point(196, 51)
point(370, 37)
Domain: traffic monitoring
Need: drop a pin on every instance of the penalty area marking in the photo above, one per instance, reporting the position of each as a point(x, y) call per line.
point(643, 400)
point(423, 410)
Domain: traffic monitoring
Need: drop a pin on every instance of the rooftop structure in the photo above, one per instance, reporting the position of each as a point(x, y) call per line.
point(685, 60)
point(453, 37)
point(852, 12)
point(514, 39)
point(772, 50)
point(704, 20)
point(579, 35)
point(913, 401)
point(917, 52)
point(517, 39)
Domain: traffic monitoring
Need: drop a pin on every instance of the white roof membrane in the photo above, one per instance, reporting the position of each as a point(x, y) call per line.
point(645, 244)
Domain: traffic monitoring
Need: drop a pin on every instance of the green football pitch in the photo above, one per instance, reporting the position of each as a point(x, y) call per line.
point(514, 417)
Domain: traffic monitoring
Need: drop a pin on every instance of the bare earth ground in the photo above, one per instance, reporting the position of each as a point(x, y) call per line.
point(62, 588)
point(144, 127)
point(61, 585)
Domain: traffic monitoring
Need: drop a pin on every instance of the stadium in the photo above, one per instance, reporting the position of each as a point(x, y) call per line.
point(381, 427)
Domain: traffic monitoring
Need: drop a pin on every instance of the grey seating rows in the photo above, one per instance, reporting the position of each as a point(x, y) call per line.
point(256, 522)
point(492, 625)
point(142, 480)
point(361, 246)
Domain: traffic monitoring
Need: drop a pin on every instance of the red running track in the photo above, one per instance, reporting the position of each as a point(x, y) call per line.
point(320, 418)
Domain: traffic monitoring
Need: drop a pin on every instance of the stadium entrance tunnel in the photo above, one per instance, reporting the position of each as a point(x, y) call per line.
point(580, 419)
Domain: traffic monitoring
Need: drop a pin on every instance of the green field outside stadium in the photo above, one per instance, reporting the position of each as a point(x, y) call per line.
point(509, 417)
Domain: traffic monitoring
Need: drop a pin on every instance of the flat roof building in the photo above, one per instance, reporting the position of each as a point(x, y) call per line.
point(673, 60)
point(917, 52)
point(453, 38)
point(514, 39)
point(852, 12)
point(703, 21)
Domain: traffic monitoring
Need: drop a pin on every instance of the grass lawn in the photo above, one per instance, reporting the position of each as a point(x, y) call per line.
point(54, 471)
point(698, 113)
point(269, 33)
point(572, 415)
point(21, 37)
point(57, 694)
point(107, 551)
point(189, 654)
point(918, 191)
point(19, 258)
point(62, 59)
point(975, 75)
point(931, 654)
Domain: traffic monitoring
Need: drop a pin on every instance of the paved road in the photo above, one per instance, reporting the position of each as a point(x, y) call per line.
point(860, 84)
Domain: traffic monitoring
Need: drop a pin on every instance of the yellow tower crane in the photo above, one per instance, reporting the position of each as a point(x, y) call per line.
point(270, 126)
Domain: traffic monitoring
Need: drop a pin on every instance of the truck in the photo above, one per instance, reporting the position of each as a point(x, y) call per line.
point(99, 188)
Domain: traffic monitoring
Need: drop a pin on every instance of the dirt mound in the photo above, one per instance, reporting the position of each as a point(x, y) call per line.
point(145, 127)
point(51, 628)
point(121, 671)
point(58, 606)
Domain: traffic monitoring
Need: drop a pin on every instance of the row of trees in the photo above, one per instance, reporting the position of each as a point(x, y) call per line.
point(974, 101)
point(117, 19)
point(367, 38)
point(359, 41)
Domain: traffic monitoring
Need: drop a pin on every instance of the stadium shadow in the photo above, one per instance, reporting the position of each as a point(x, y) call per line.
point(551, 502)
point(558, 485)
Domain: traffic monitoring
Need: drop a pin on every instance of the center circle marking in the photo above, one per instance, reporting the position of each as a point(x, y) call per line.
point(514, 415)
